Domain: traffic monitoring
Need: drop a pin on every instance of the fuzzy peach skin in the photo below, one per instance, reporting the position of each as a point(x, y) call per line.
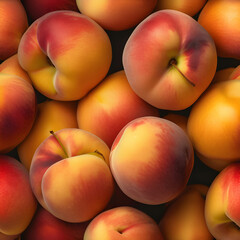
point(179, 119)
point(184, 216)
point(13, 23)
point(116, 15)
point(123, 223)
point(37, 8)
point(12, 66)
point(17, 202)
point(166, 60)
point(51, 115)
point(222, 208)
point(45, 226)
point(235, 73)
point(110, 106)
point(151, 160)
point(65, 62)
point(186, 6)
point(213, 124)
point(70, 175)
point(17, 111)
point(221, 19)
point(9, 237)
point(223, 74)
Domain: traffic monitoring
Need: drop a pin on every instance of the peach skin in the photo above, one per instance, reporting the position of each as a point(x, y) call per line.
point(71, 60)
point(235, 73)
point(17, 110)
point(166, 60)
point(45, 226)
point(221, 19)
point(13, 23)
point(213, 124)
point(184, 216)
point(223, 74)
point(70, 175)
point(151, 160)
point(189, 7)
point(110, 106)
point(222, 208)
point(116, 15)
point(37, 8)
point(180, 120)
point(17, 202)
point(12, 66)
point(51, 115)
point(123, 223)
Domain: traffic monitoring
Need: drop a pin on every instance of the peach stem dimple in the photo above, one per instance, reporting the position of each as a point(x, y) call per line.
point(173, 63)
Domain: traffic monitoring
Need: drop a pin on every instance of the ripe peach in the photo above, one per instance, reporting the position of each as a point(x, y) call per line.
point(222, 208)
point(116, 15)
point(213, 124)
point(166, 60)
point(13, 23)
point(17, 202)
point(235, 73)
point(51, 116)
point(123, 223)
point(221, 19)
point(70, 175)
point(110, 106)
point(71, 60)
point(179, 119)
point(151, 160)
point(184, 217)
point(17, 110)
point(223, 74)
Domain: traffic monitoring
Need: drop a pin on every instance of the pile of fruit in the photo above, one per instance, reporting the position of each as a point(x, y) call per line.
point(119, 120)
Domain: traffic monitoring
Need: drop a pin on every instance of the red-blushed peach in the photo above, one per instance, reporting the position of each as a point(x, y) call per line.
point(9, 237)
point(186, 6)
point(70, 175)
point(17, 202)
point(37, 8)
point(13, 23)
point(44, 226)
point(179, 119)
point(223, 74)
point(166, 60)
point(222, 207)
point(221, 19)
point(110, 106)
point(71, 60)
point(213, 124)
point(123, 223)
point(116, 15)
point(12, 66)
point(17, 110)
point(184, 216)
point(151, 160)
point(51, 116)
point(235, 73)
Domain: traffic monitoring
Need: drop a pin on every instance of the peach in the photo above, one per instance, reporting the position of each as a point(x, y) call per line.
point(110, 106)
point(17, 202)
point(186, 6)
point(9, 237)
point(223, 74)
point(45, 226)
point(71, 60)
point(116, 15)
point(70, 175)
point(13, 23)
point(151, 160)
point(235, 73)
point(184, 217)
point(179, 119)
point(17, 110)
point(213, 124)
point(12, 66)
point(166, 60)
point(51, 115)
point(123, 223)
point(222, 207)
point(221, 19)
point(37, 8)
